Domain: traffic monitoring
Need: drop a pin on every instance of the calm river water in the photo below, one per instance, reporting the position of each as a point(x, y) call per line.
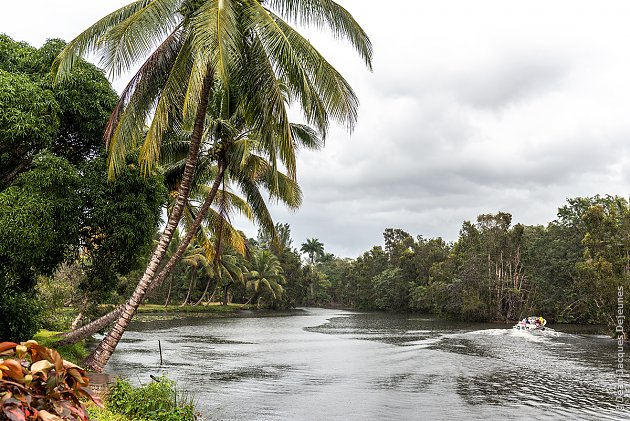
point(338, 365)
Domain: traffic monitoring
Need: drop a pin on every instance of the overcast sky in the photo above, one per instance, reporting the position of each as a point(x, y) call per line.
point(473, 107)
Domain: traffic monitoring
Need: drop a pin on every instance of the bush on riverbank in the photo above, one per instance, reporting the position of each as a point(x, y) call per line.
point(155, 401)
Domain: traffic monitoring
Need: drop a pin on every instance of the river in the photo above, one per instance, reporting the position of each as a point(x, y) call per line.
point(320, 364)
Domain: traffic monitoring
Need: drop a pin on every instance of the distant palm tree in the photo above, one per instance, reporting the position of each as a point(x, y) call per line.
point(196, 259)
point(313, 247)
point(230, 269)
point(265, 277)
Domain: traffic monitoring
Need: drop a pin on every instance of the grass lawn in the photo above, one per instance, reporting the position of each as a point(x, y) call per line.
point(74, 353)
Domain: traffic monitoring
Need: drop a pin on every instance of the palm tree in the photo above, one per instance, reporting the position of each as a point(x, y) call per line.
point(265, 277)
point(313, 247)
point(197, 260)
point(249, 172)
point(228, 269)
point(231, 270)
point(206, 49)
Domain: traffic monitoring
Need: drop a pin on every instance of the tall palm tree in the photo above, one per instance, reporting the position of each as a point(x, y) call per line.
point(197, 49)
point(313, 247)
point(248, 171)
point(265, 277)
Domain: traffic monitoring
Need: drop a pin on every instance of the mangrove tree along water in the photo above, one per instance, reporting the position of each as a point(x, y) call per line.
point(338, 365)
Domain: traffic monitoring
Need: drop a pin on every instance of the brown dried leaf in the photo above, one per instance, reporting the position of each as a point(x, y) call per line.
point(47, 416)
point(88, 393)
point(42, 365)
point(7, 348)
point(13, 369)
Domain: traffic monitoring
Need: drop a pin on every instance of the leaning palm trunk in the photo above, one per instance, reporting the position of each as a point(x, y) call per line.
point(98, 359)
point(205, 292)
point(190, 287)
point(91, 328)
point(168, 296)
point(107, 319)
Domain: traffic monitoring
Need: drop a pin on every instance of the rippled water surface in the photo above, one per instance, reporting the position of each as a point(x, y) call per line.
point(321, 364)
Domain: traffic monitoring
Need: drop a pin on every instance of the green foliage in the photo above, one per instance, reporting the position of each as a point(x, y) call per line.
point(38, 221)
point(104, 414)
point(118, 221)
point(29, 120)
point(155, 401)
point(571, 270)
point(20, 313)
point(67, 119)
point(15, 57)
point(37, 384)
point(56, 205)
point(391, 289)
point(56, 293)
point(487, 258)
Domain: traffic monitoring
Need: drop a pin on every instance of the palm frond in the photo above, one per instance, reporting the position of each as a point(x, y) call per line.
point(88, 41)
point(136, 36)
point(327, 13)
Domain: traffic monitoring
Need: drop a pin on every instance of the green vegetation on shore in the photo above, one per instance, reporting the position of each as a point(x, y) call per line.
point(156, 401)
point(215, 308)
point(75, 353)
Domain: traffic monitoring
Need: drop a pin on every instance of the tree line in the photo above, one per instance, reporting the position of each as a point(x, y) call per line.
point(570, 270)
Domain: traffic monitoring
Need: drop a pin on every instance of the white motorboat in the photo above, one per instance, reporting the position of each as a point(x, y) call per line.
point(531, 323)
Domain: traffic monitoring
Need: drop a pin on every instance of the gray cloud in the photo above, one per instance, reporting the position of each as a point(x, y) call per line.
point(473, 107)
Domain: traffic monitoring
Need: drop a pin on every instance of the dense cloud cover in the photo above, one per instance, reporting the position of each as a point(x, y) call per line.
point(473, 107)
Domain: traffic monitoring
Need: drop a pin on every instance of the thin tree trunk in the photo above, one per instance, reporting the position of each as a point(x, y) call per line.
point(225, 295)
point(205, 291)
point(190, 286)
point(168, 295)
point(185, 242)
point(214, 292)
point(103, 352)
point(90, 328)
point(17, 170)
point(77, 320)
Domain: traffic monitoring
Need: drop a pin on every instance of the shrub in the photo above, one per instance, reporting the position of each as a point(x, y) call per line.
point(156, 401)
point(37, 384)
point(20, 313)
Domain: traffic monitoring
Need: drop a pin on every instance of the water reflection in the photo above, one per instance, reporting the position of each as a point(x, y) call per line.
point(339, 365)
